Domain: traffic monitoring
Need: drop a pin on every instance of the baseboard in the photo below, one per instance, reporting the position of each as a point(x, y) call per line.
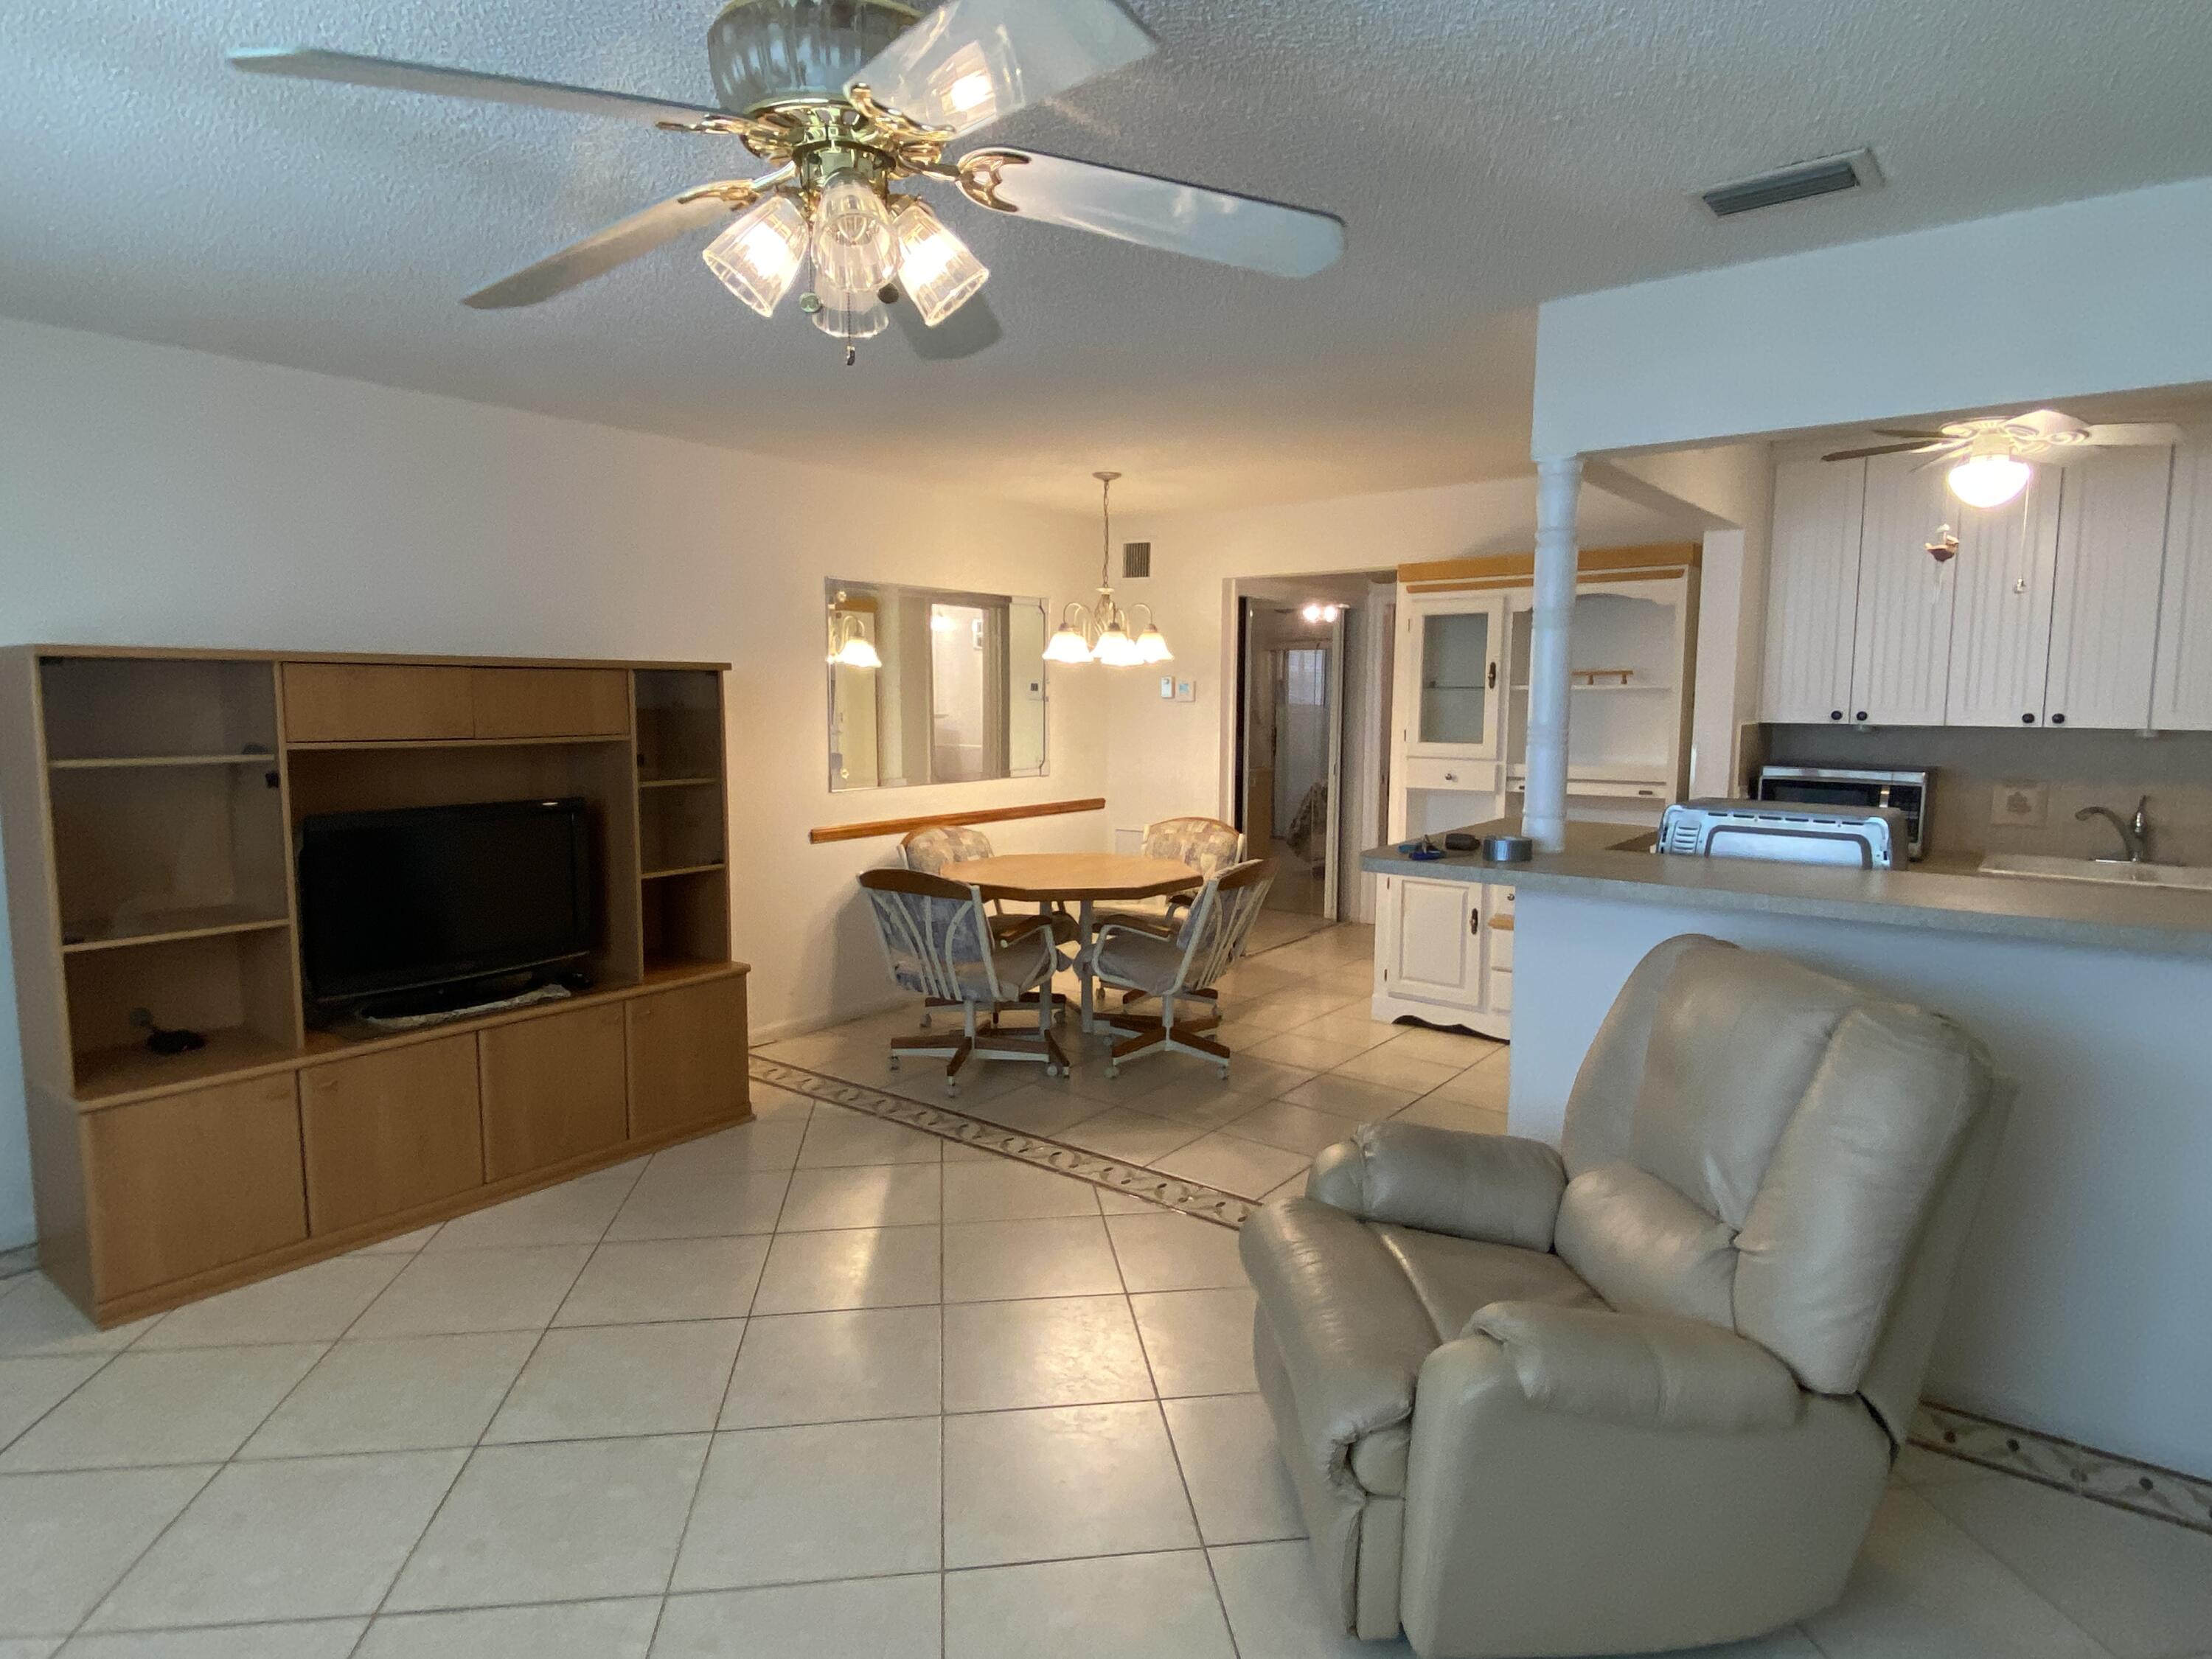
point(807, 1023)
point(2100, 1476)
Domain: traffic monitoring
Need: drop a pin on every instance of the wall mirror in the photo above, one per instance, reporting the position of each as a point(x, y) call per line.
point(929, 685)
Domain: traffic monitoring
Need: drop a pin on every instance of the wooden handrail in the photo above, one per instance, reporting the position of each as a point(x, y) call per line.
point(1043, 808)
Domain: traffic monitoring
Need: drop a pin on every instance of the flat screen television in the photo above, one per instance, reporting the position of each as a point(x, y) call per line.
point(403, 901)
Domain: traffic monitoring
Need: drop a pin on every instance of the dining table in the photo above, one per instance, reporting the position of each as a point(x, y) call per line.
point(1081, 880)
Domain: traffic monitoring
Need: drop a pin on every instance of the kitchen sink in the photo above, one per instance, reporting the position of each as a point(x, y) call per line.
point(2117, 870)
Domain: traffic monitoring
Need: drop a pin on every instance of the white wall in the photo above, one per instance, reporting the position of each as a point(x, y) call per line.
point(155, 496)
point(1170, 757)
point(2101, 295)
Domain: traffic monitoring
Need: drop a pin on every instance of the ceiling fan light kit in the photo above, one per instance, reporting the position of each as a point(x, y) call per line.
point(1990, 479)
point(1991, 455)
point(844, 100)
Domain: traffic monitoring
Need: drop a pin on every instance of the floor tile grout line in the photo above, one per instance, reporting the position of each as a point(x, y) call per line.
point(106, 1359)
point(116, 1582)
point(2009, 1571)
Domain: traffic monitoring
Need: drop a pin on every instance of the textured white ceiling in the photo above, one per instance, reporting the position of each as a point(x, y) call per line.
point(1484, 153)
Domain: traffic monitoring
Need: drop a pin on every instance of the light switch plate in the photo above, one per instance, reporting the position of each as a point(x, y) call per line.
point(1167, 688)
point(1186, 691)
point(2021, 806)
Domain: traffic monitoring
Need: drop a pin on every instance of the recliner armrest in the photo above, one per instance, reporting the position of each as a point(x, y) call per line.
point(1500, 1188)
point(1650, 1370)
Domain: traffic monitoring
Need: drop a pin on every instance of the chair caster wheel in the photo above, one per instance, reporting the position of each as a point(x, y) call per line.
point(924, 1022)
point(1225, 1074)
point(1112, 1070)
point(893, 1066)
point(952, 1089)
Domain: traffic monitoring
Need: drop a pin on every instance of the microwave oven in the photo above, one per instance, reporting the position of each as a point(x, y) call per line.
point(1852, 789)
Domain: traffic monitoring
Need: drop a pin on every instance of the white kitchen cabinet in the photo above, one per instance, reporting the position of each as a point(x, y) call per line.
point(2001, 617)
point(1439, 947)
point(2182, 687)
point(2105, 603)
point(1812, 590)
point(1901, 646)
point(1449, 689)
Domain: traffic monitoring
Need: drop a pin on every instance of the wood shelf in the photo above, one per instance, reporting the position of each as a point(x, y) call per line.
point(98, 763)
point(377, 745)
point(676, 783)
point(208, 922)
point(681, 869)
point(107, 1076)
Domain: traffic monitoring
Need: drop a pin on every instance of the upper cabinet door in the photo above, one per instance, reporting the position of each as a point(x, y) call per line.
point(2104, 613)
point(2001, 622)
point(1812, 590)
point(1901, 648)
point(2182, 692)
point(1452, 645)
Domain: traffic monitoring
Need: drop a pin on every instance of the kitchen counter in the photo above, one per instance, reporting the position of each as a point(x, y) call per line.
point(1614, 860)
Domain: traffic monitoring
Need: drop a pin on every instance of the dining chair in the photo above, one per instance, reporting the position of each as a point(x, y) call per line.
point(1180, 970)
point(940, 941)
point(1207, 845)
point(932, 851)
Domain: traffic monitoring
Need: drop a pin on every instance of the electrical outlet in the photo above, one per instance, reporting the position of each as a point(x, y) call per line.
point(2020, 805)
point(1167, 688)
point(1186, 691)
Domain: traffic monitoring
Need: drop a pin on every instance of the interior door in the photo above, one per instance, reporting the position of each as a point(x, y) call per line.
point(1332, 875)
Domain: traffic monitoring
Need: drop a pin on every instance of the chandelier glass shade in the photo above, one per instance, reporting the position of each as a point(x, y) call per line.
point(1102, 632)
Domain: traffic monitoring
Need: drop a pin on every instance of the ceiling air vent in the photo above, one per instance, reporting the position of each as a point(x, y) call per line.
point(1136, 559)
point(1824, 177)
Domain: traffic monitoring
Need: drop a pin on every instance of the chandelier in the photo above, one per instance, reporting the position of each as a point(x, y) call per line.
point(1101, 632)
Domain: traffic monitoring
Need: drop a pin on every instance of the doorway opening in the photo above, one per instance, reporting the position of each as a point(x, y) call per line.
point(1313, 690)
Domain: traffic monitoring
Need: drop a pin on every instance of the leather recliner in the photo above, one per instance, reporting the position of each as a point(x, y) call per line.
point(1642, 1391)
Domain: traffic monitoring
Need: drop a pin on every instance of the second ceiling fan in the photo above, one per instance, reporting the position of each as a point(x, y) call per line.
point(845, 99)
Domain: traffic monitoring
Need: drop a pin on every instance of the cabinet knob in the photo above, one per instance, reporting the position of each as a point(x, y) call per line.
point(2058, 720)
point(1835, 714)
point(2028, 720)
point(1861, 715)
point(1451, 777)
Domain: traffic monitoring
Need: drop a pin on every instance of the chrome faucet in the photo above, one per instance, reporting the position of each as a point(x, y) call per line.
point(2135, 837)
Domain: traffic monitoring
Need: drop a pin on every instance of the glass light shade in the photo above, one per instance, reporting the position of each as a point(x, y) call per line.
point(764, 52)
point(862, 319)
point(937, 272)
point(760, 252)
point(1990, 480)
point(1152, 646)
point(1116, 649)
point(855, 251)
point(1066, 646)
point(857, 652)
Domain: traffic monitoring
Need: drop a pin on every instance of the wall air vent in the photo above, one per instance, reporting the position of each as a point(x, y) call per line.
point(1824, 177)
point(1136, 559)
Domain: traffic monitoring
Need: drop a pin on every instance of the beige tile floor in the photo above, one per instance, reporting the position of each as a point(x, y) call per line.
point(818, 1387)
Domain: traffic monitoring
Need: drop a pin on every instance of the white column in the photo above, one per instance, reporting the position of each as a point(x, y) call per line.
point(1544, 809)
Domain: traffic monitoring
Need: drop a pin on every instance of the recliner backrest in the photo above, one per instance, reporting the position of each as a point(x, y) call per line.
point(1757, 1145)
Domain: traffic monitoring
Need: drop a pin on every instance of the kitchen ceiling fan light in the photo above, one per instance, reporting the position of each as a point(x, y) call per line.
point(855, 252)
point(937, 272)
point(759, 255)
point(1990, 480)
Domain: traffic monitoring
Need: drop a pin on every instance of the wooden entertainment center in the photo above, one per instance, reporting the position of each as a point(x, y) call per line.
point(149, 801)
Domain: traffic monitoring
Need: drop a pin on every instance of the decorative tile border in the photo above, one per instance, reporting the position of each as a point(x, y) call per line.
point(1169, 1192)
point(2101, 1477)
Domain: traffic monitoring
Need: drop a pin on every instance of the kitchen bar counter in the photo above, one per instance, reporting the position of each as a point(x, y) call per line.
point(1614, 860)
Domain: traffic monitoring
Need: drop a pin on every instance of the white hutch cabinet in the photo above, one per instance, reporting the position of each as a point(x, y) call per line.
point(1445, 949)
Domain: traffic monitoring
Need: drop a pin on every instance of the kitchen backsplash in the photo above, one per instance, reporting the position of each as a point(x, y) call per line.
point(2078, 769)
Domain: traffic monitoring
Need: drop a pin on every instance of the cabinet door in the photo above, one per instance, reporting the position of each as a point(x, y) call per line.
point(1449, 651)
point(1901, 644)
point(687, 1055)
point(375, 702)
point(1438, 953)
point(2001, 620)
point(1811, 591)
point(386, 1131)
point(553, 1089)
point(181, 1184)
point(2104, 615)
point(2182, 693)
point(550, 703)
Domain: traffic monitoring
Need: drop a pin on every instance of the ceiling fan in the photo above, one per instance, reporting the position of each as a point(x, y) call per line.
point(1992, 454)
point(844, 100)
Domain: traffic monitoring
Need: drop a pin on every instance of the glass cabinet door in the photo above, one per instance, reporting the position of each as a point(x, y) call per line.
point(1456, 689)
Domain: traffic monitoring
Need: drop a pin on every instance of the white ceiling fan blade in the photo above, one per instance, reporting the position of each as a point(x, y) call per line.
point(617, 245)
point(971, 61)
point(1162, 213)
point(350, 68)
point(2044, 423)
point(2157, 434)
